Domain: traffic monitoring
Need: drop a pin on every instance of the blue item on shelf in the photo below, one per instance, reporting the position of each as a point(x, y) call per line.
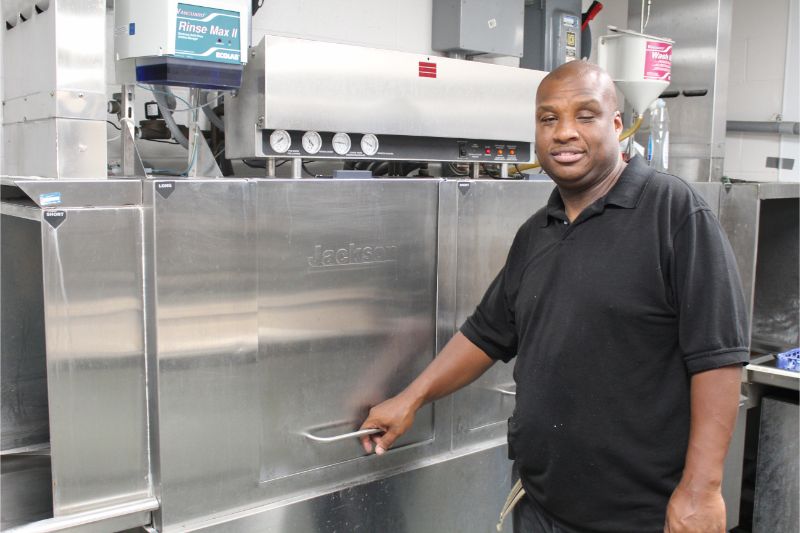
point(789, 360)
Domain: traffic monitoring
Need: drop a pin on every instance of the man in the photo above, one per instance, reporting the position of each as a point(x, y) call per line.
point(621, 302)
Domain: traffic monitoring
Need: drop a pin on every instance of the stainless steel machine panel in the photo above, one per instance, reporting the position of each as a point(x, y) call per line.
point(489, 214)
point(776, 506)
point(761, 223)
point(738, 215)
point(454, 494)
point(65, 193)
point(776, 298)
point(289, 84)
point(283, 310)
point(54, 121)
point(22, 349)
point(93, 303)
point(347, 299)
point(206, 337)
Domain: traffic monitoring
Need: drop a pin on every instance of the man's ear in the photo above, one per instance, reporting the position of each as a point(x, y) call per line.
point(618, 125)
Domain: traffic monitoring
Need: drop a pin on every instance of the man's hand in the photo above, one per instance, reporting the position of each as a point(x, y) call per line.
point(692, 510)
point(459, 363)
point(393, 417)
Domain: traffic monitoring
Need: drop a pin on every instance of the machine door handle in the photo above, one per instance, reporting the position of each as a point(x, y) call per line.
point(503, 390)
point(344, 436)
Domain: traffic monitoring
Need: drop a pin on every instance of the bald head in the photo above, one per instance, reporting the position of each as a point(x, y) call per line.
point(577, 126)
point(581, 71)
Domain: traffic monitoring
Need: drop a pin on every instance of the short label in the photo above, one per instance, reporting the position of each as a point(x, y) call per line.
point(50, 198)
point(658, 61)
point(463, 187)
point(569, 21)
point(165, 188)
point(208, 34)
point(55, 218)
point(352, 255)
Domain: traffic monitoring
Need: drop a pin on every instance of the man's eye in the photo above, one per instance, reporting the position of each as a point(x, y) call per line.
point(547, 120)
point(586, 118)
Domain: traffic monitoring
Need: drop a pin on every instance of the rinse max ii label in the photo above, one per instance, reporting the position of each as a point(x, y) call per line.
point(208, 34)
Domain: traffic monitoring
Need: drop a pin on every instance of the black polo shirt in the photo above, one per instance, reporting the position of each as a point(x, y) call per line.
point(609, 316)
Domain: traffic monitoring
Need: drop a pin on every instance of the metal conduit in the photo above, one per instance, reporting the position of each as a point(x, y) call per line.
point(782, 128)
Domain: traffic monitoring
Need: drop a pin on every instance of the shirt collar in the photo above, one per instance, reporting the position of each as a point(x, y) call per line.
point(626, 193)
point(631, 184)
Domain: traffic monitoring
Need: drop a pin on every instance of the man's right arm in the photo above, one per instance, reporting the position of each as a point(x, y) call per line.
point(458, 364)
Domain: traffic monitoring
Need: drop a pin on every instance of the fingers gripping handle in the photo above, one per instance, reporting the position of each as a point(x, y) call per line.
point(344, 436)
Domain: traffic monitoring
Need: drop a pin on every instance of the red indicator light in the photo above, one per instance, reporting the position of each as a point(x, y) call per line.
point(488, 151)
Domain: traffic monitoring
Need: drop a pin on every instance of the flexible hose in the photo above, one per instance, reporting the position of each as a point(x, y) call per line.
point(213, 117)
point(527, 166)
point(622, 136)
point(633, 129)
point(161, 99)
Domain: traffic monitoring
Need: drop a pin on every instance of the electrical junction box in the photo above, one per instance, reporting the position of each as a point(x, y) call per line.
point(491, 27)
point(192, 43)
point(552, 33)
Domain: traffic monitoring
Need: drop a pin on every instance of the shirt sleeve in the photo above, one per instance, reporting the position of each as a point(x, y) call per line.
point(712, 318)
point(492, 327)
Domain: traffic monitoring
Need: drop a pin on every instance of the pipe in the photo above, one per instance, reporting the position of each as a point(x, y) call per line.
point(213, 117)
point(297, 168)
point(475, 170)
point(161, 100)
point(781, 128)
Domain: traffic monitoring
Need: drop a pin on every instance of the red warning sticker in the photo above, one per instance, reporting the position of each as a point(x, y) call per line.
point(658, 61)
point(427, 70)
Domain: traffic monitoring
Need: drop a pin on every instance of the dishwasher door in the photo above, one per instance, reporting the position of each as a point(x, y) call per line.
point(489, 214)
point(346, 312)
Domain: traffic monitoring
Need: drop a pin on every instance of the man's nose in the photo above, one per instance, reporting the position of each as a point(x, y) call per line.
point(565, 130)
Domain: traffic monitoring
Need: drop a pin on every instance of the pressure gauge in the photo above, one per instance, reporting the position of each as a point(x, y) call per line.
point(341, 143)
point(369, 144)
point(280, 141)
point(312, 142)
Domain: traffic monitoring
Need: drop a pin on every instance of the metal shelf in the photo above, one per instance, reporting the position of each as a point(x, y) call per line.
point(762, 370)
point(21, 209)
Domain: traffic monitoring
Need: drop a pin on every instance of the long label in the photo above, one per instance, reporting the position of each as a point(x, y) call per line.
point(658, 61)
point(208, 34)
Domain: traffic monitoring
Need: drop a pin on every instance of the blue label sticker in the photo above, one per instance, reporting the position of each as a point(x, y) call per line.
point(208, 34)
point(51, 198)
point(132, 28)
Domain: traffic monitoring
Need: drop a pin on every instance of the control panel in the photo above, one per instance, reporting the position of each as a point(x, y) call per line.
point(346, 145)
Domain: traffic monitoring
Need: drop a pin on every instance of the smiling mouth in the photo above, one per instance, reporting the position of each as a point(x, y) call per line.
point(566, 156)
